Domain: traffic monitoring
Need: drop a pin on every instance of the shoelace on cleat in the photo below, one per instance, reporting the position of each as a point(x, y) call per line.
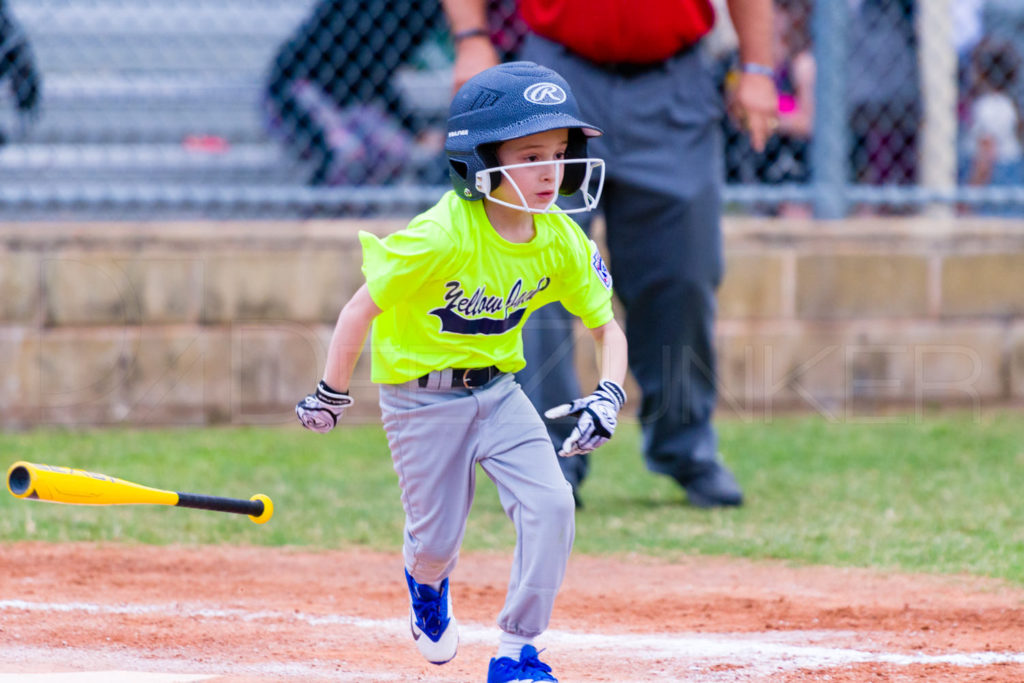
point(429, 611)
point(529, 664)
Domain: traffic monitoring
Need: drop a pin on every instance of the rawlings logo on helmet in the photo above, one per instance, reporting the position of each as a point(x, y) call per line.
point(544, 93)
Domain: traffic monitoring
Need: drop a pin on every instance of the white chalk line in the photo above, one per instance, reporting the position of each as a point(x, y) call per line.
point(103, 677)
point(761, 651)
point(176, 668)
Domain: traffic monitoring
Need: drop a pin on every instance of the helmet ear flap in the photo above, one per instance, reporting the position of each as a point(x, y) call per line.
point(489, 154)
point(459, 168)
point(458, 171)
point(572, 180)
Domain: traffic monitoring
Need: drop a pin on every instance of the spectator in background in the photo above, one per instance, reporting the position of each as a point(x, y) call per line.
point(17, 63)
point(786, 156)
point(995, 129)
point(331, 92)
point(967, 20)
point(967, 31)
point(637, 70)
point(883, 96)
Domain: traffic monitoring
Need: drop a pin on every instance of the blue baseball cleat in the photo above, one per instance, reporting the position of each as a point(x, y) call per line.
point(430, 619)
point(528, 668)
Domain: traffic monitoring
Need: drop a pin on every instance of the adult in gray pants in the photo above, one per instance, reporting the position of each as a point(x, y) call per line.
point(661, 204)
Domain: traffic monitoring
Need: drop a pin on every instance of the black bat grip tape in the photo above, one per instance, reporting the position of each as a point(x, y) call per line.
point(253, 508)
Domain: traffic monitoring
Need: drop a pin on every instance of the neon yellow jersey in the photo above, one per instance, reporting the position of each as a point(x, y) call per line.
point(455, 294)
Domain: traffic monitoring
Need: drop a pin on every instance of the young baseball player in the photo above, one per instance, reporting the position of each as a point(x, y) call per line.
point(447, 298)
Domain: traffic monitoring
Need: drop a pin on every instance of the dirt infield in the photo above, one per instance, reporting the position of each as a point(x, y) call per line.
point(257, 614)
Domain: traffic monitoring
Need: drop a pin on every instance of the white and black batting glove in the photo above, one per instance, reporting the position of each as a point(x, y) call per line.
point(321, 410)
point(598, 415)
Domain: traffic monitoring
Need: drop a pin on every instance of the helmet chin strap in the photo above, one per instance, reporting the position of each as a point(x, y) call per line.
point(483, 184)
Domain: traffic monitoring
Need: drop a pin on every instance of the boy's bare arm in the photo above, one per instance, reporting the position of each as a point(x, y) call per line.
point(349, 336)
point(321, 410)
point(611, 351)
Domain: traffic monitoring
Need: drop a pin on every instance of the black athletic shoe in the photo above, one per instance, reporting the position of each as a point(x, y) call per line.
point(713, 487)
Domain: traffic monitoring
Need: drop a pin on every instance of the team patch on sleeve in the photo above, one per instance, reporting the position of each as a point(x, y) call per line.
point(601, 269)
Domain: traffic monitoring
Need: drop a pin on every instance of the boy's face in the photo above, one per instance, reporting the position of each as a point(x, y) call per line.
point(538, 184)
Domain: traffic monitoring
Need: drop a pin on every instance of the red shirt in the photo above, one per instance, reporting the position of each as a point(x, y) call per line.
point(638, 31)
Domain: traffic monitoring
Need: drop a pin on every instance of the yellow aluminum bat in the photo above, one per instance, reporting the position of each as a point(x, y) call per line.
point(78, 487)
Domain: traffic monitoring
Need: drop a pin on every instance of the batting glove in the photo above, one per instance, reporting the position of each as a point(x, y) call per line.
point(598, 415)
point(321, 410)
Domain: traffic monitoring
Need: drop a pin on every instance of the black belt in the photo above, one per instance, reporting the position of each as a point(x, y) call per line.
point(631, 69)
point(463, 378)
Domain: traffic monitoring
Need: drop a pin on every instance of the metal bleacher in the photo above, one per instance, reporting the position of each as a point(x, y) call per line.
point(154, 108)
point(148, 93)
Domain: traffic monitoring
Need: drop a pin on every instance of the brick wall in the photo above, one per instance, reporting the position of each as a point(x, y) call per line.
point(199, 323)
point(846, 318)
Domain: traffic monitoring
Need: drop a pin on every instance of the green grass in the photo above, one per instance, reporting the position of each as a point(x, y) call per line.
point(941, 495)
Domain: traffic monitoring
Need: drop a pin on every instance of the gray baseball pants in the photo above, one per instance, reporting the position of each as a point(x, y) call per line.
point(437, 437)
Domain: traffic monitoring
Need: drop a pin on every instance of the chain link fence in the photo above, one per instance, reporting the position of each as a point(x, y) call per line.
point(263, 108)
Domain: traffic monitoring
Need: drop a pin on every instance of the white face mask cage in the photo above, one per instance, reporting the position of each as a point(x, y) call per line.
point(483, 184)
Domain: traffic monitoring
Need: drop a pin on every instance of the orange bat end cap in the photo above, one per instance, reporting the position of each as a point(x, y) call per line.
point(268, 509)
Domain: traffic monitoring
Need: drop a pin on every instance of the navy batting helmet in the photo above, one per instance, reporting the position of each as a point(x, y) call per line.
point(511, 101)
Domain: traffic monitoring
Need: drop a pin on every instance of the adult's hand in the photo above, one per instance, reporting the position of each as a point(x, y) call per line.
point(755, 103)
point(757, 107)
